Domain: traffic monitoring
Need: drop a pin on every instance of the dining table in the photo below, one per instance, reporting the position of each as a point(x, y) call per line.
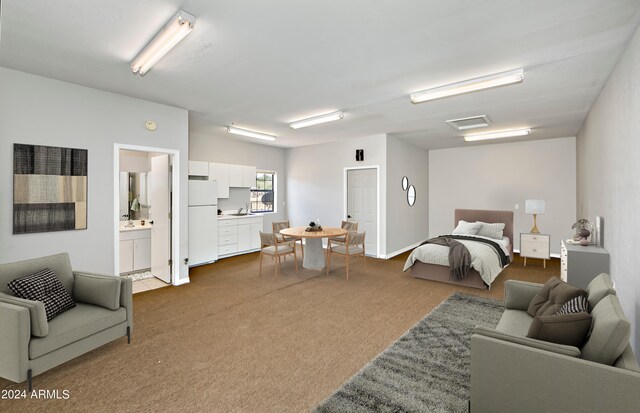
point(314, 257)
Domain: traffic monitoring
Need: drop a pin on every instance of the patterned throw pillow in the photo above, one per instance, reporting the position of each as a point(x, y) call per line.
point(575, 305)
point(44, 286)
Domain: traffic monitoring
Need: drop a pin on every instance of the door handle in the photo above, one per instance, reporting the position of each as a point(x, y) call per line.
point(348, 216)
point(151, 222)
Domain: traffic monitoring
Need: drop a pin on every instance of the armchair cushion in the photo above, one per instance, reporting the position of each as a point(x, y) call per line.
point(569, 329)
point(552, 296)
point(44, 286)
point(37, 313)
point(102, 290)
point(598, 288)
point(610, 333)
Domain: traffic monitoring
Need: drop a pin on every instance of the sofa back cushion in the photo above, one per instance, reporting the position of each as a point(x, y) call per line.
point(59, 264)
point(598, 288)
point(610, 332)
point(552, 296)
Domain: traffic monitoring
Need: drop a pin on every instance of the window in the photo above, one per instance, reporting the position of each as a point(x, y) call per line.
point(263, 194)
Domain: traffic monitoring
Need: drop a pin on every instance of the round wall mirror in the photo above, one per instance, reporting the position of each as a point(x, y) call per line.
point(411, 195)
point(405, 183)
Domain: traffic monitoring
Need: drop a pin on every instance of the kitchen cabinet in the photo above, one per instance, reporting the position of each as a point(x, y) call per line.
point(239, 235)
point(249, 176)
point(220, 172)
point(236, 176)
point(198, 168)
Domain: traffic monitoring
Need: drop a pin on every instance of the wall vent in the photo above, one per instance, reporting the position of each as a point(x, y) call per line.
point(472, 122)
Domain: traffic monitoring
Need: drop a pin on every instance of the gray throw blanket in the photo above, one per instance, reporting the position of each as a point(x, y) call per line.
point(459, 257)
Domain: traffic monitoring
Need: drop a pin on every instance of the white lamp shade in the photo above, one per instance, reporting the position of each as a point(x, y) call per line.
point(534, 206)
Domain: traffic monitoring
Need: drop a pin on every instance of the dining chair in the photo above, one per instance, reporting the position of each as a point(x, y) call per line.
point(277, 226)
point(347, 225)
point(352, 246)
point(269, 245)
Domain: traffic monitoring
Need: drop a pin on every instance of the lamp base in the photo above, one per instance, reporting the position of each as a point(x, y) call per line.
point(534, 229)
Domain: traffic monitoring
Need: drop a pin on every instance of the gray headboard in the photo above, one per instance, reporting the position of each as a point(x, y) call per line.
point(489, 216)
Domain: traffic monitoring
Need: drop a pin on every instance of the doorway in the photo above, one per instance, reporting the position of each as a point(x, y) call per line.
point(145, 244)
point(362, 204)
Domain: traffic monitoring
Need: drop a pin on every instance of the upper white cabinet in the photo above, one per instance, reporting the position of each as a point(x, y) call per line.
point(236, 176)
point(198, 168)
point(249, 176)
point(220, 172)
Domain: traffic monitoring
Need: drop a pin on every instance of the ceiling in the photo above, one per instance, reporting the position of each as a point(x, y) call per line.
point(261, 64)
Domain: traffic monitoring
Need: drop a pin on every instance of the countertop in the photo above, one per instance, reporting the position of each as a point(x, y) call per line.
point(227, 216)
point(136, 227)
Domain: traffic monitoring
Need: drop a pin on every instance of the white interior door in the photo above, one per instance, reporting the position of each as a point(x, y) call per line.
point(160, 199)
point(362, 204)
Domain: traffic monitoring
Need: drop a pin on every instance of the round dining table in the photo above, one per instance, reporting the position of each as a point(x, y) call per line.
point(313, 253)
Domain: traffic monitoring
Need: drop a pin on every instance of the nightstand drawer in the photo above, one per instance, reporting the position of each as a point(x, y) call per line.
point(534, 250)
point(534, 238)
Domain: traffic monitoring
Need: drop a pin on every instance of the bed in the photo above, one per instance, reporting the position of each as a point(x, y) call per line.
point(442, 273)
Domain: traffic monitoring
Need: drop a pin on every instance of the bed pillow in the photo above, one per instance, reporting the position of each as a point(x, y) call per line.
point(494, 231)
point(466, 228)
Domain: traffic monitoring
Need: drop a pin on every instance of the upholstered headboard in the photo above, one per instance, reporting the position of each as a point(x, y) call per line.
point(491, 217)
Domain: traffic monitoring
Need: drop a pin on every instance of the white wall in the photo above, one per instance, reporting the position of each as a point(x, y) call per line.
point(42, 111)
point(222, 148)
point(498, 176)
point(134, 161)
point(315, 176)
point(406, 225)
point(608, 147)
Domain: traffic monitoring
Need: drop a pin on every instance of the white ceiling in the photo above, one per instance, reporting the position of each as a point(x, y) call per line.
point(261, 64)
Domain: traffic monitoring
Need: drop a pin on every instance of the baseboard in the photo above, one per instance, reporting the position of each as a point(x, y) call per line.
point(181, 281)
point(400, 251)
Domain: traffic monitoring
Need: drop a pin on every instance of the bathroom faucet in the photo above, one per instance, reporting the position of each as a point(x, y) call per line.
point(130, 223)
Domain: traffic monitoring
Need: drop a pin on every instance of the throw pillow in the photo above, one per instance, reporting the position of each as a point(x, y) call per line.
point(567, 329)
point(44, 286)
point(552, 296)
point(494, 231)
point(575, 305)
point(467, 228)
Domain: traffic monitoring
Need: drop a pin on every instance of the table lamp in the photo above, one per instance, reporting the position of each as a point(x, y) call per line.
point(535, 207)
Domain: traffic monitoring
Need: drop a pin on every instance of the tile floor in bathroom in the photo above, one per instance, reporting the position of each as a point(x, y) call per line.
point(145, 281)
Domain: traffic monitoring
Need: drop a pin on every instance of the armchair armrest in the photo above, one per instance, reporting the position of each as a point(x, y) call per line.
point(569, 351)
point(15, 326)
point(37, 313)
point(510, 377)
point(518, 294)
point(106, 291)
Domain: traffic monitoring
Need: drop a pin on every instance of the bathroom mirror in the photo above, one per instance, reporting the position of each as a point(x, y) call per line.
point(411, 195)
point(405, 183)
point(134, 196)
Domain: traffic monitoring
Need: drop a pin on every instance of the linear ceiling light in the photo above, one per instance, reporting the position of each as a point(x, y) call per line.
point(250, 133)
point(486, 82)
point(497, 135)
point(177, 28)
point(329, 117)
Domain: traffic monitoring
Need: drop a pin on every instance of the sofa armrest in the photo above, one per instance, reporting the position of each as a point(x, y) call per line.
point(518, 294)
point(569, 351)
point(511, 377)
point(107, 291)
point(126, 299)
point(15, 326)
point(37, 313)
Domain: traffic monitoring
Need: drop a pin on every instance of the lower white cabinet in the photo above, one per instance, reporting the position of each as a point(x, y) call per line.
point(239, 236)
point(135, 250)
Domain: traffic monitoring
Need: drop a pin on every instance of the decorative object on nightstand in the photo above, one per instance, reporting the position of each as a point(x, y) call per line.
point(535, 246)
point(579, 265)
point(583, 230)
point(535, 207)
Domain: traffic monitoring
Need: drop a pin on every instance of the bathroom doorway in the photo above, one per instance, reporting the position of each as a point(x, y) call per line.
point(145, 231)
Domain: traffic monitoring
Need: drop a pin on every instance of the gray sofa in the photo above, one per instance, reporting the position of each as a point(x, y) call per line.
point(513, 373)
point(30, 345)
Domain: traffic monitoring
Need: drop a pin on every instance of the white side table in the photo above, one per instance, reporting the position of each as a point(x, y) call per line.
point(535, 246)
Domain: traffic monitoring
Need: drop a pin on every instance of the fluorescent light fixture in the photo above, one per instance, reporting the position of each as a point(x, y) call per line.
point(485, 82)
point(250, 133)
point(497, 135)
point(329, 117)
point(177, 28)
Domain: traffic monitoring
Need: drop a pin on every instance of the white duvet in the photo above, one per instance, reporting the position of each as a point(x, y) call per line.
point(484, 258)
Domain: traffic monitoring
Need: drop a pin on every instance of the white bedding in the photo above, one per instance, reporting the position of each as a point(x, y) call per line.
point(484, 259)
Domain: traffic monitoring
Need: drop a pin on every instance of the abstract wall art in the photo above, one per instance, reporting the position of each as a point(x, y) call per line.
point(49, 189)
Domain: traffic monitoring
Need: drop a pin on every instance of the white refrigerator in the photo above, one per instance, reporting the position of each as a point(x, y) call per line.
point(203, 222)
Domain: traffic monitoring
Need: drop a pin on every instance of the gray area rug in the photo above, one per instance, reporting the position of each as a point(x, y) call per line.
point(427, 370)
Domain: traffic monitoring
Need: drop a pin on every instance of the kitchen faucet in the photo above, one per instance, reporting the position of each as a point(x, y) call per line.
point(240, 210)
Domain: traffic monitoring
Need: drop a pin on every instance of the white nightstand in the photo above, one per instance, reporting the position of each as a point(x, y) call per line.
point(535, 246)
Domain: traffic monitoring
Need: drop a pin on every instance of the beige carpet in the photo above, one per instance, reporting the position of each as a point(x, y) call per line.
point(231, 341)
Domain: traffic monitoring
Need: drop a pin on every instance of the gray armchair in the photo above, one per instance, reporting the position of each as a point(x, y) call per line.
point(513, 373)
point(30, 345)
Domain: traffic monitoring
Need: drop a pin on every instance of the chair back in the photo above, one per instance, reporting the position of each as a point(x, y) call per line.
point(355, 238)
point(279, 225)
point(349, 225)
point(267, 239)
point(59, 264)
